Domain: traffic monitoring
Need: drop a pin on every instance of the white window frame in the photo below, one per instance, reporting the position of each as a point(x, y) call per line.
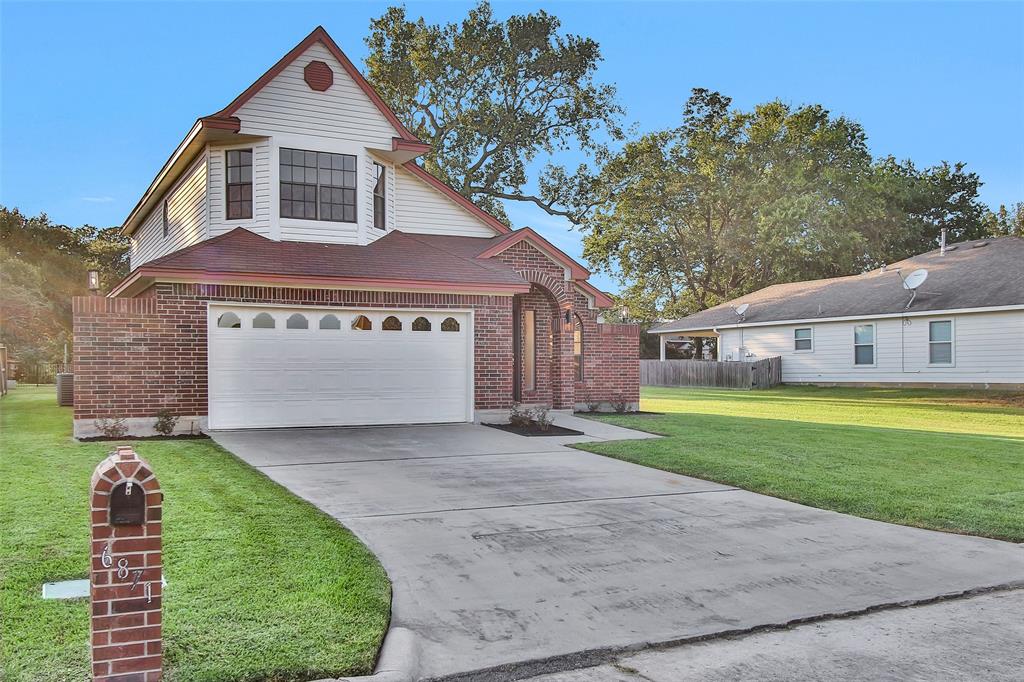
point(803, 350)
point(873, 344)
point(951, 342)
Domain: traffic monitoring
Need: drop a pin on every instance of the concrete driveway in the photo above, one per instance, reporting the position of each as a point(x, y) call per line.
point(519, 554)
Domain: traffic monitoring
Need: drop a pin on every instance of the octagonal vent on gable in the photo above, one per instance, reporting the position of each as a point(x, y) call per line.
point(318, 76)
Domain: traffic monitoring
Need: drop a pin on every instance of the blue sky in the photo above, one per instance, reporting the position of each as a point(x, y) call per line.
point(96, 95)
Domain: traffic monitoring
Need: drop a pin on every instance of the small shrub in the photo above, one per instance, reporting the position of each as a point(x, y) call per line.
point(111, 428)
point(519, 417)
point(593, 406)
point(542, 419)
point(165, 422)
point(620, 405)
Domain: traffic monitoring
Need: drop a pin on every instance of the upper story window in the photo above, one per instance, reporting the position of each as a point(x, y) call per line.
point(318, 186)
point(864, 344)
point(379, 200)
point(239, 185)
point(167, 227)
point(940, 342)
point(803, 339)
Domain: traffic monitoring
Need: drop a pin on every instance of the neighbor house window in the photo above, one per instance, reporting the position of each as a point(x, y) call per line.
point(167, 227)
point(864, 344)
point(379, 201)
point(940, 342)
point(529, 350)
point(577, 346)
point(318, 186)
point(803, 339)
point(239, 184)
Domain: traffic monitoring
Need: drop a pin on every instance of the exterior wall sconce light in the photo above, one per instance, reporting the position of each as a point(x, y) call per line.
point(94, 281)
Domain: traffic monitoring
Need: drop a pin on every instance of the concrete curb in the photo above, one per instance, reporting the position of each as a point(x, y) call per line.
point(399, 659)
point(521, 670)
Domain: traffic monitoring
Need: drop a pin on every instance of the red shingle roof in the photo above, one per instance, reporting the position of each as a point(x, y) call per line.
point(397, 256)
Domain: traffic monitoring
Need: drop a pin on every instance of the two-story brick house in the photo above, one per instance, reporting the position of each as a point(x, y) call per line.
point(292, 265)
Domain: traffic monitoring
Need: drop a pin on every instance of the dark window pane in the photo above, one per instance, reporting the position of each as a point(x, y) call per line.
point(350, 179)
point(234, 192)
point(350, 214)
point(349, 162)
point(864, 355)
point(286, 156)
point(940, 353)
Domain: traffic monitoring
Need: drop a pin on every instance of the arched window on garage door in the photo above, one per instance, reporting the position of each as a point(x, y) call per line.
point(391, 324)
point(297, 321)
point(263, 321)
point(330, 322)
point(229, 321)
point(421, 324)
point(362, 323)
point(450, 324)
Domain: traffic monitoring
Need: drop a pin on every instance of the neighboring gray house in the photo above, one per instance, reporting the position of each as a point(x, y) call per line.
point(964, 326)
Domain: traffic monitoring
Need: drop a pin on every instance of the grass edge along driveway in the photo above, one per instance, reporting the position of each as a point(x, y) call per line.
point(940, 459)
point(261, 584)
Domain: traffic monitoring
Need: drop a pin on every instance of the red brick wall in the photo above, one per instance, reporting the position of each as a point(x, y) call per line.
point(136, 356)
point(613, 365)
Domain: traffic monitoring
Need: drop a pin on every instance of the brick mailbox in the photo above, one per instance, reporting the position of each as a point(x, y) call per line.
point(127, 570)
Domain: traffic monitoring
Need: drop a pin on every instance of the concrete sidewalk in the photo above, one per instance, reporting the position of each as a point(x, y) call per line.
point(504, 550)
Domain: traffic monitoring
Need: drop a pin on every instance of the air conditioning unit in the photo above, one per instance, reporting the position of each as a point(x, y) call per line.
point(65, 389)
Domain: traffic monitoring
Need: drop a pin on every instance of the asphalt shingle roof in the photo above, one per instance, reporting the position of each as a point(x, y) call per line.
point(976, 274)
point(397, 255)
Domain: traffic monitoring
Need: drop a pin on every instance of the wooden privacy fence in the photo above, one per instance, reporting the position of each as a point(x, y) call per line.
point(746, 375)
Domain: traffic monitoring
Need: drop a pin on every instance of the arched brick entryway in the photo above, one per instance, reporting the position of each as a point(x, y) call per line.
point(549, 378)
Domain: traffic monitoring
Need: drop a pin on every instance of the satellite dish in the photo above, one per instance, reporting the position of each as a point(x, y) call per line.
point(742, 308)
point(915, 279)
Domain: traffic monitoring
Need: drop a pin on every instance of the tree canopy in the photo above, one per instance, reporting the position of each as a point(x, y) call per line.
point(42, 265)
point(731, 201)
point(491, 97)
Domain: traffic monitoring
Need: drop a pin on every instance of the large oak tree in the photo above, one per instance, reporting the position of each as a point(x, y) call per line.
point(492, 97)
point(732, 201)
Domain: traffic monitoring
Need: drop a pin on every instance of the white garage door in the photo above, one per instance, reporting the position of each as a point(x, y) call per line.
point(277, 367)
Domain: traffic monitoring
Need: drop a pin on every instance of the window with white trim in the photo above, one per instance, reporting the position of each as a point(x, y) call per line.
point(318, 185)
point(864, 344)
point(940, 342)
point(239, 184)
point(803, 339)
point(379, 196)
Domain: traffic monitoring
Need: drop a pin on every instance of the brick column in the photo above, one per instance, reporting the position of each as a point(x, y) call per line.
point(127, 569)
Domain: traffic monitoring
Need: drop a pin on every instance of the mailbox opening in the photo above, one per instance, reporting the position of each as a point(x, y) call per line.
point(127, 504)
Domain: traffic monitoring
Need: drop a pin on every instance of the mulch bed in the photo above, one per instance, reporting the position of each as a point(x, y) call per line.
point(182, 436)
point(534, 430)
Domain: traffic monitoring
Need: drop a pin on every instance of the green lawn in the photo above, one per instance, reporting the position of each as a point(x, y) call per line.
point(949, 460)
point(261, 585)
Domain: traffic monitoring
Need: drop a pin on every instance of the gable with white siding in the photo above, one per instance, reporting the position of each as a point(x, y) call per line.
point(186, 218)
point(288, 106)
point(282, 111)
point(421, 208)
